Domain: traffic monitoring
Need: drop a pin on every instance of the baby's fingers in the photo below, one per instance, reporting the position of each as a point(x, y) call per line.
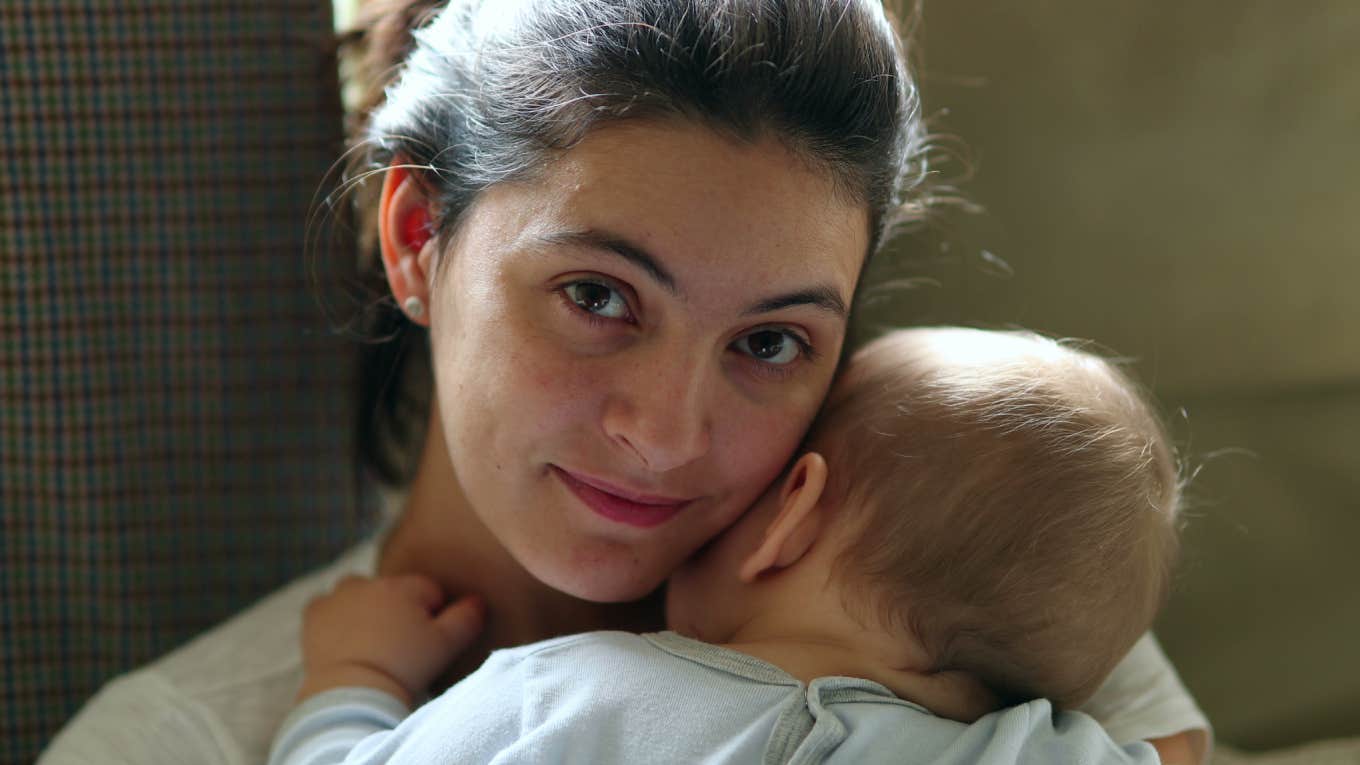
point(421, 589)
point(459, 623)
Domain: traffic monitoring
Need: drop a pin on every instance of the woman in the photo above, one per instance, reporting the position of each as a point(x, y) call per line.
point(633, 230)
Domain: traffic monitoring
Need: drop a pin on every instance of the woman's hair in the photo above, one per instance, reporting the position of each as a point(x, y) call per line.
point(1009, 500)
point(488, 91)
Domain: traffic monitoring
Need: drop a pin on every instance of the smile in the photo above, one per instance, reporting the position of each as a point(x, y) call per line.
point(619, 504)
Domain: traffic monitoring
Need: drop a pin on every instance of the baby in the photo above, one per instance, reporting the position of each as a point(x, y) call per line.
point(980, 520)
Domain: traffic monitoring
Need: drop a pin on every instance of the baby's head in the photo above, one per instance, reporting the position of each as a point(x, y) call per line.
point(1006, 501)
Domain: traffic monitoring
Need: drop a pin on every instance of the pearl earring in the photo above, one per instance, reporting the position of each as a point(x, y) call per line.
point(414, 307)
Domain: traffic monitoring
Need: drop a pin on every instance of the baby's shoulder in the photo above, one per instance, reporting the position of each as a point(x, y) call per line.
point(587, 662)
point(599, 642)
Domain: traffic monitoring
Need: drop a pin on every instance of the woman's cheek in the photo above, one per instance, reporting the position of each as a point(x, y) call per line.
point(755, 448)
point(544, 383)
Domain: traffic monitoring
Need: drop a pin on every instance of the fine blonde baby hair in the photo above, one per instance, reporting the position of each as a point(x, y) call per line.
point(1009, 499)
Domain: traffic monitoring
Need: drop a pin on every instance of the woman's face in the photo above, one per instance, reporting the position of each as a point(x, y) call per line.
point(629, 348)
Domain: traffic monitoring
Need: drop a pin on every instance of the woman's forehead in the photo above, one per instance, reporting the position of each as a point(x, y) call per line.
point(700, 204)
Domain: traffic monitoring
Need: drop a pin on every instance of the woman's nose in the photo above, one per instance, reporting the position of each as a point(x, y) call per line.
point(660, 414)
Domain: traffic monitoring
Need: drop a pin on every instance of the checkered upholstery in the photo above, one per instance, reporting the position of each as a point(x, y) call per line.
point(176, 424)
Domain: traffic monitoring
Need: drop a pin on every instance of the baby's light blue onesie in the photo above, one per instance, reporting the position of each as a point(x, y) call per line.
point(612, 697)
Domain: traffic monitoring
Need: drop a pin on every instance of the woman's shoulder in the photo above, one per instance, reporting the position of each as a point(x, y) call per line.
point(216, 698)
point(262, 640)
point(138, 717)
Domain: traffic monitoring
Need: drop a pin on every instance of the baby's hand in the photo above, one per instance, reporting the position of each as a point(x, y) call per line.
point(394, 633)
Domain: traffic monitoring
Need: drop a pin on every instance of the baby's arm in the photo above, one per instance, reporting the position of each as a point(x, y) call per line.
point(394, 634)
point(370, 649)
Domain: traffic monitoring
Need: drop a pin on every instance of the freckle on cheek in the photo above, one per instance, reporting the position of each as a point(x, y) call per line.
point(536, 373)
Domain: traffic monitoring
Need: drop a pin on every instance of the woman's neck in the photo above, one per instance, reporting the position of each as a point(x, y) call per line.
point(439, 535)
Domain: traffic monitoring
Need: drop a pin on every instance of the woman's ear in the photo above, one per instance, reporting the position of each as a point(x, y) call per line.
point(799, 522)
point(405, 232)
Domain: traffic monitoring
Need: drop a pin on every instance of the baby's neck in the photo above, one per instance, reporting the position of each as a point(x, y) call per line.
point(810, 658)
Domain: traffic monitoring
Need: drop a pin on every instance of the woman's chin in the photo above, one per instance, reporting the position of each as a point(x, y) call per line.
point(598, 590)
point(614, 578)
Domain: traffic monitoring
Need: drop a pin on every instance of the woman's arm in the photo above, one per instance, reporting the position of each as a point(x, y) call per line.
point(1145, 699)
point(1185, 748)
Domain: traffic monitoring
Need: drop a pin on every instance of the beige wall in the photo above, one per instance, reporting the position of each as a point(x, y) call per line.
point(1181, 182)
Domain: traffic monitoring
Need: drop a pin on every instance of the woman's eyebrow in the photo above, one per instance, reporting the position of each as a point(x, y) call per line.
point(617, 245)
point(824, 297)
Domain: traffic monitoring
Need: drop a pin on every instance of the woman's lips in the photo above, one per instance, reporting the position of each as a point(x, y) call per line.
point(619, 504)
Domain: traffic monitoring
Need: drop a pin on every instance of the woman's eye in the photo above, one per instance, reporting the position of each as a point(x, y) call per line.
point(598, 299)
point(771, 346)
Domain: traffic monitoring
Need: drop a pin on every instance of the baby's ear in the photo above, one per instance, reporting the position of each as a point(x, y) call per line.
point(799, 522)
